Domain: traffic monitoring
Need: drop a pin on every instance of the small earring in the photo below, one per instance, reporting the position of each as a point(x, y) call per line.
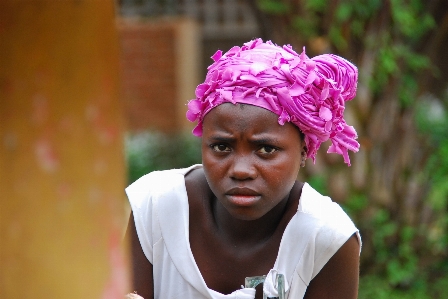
point(304, 156)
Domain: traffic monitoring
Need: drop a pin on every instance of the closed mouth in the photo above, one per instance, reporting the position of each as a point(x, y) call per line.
point(244, 192)
point(243, 196)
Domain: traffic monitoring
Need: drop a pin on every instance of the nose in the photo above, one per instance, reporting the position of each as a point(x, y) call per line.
point(242, 168)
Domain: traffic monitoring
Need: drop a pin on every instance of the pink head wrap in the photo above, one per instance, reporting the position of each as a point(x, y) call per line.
point(310, 93)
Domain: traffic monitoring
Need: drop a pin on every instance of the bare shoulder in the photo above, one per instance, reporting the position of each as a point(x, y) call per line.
point(339, 278)
point(195, 177)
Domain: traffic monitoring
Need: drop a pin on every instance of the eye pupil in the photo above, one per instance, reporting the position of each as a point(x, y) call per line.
point(267, 149)
point(220, 148)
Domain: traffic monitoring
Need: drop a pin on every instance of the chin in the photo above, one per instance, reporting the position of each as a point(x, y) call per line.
point(245, 215)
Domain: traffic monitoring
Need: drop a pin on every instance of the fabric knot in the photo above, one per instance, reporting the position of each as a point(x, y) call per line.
point(309, 92)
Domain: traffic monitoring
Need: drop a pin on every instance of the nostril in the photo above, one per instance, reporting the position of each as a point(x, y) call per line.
point(241, 177)
point(242, 170)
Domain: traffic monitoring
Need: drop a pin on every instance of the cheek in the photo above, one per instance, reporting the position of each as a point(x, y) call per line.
point(282, 176)
point(207, 158)
point(213, 172)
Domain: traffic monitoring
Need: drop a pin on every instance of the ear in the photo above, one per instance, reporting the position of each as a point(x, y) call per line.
point(304, 154)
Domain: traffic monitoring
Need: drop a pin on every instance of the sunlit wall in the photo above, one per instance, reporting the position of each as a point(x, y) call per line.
point(62, 171)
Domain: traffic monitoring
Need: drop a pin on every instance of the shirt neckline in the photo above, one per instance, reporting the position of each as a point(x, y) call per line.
point(175, 231)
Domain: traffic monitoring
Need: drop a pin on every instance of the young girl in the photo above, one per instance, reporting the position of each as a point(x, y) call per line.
point(204, 231)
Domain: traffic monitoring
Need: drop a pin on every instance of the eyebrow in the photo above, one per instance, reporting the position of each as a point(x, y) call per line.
point(264, 140)
point(221, 139)
point(255, 140)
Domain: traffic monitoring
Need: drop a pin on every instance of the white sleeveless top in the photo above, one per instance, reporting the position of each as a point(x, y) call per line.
point(160, 206)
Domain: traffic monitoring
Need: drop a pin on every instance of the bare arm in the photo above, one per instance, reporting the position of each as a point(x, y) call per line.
point(339, 278)
point(142, 281)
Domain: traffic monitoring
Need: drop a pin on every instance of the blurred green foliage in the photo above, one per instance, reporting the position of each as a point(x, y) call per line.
point(274, 7)
point(149, 150)
point(374, 286)
point(394, 43)
point(432, 120)
point(397, 271)
point(396, 56)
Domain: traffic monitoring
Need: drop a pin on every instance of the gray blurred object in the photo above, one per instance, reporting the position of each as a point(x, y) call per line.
point(252, 282)
point(227, 19)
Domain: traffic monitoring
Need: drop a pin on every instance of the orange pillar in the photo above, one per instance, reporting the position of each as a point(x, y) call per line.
point(62, 170)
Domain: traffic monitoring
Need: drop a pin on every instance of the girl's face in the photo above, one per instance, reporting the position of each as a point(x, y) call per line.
point(250, 161)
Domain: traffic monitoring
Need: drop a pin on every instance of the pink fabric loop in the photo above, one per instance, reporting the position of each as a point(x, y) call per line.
point(310, 93)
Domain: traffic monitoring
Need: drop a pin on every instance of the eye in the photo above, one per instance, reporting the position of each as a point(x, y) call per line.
point(267, 149)
point(220, 148)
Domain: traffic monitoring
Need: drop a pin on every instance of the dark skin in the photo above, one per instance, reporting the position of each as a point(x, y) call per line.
point(240, 203)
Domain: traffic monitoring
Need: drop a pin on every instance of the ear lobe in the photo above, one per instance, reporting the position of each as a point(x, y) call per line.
point(302, 163)
point(304, 152)
point(304, 156)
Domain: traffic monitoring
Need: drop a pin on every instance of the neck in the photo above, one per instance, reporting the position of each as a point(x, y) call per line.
point(250, 232)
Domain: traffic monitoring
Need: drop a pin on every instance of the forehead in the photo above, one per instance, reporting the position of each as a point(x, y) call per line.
point(231, 118)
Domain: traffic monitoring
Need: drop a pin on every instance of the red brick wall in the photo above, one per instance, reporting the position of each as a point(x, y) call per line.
point(148, 64)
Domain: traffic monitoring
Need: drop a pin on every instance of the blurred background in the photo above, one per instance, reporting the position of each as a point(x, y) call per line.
point(93, 94)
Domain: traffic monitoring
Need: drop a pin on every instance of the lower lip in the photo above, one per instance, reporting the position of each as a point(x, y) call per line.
point(243, 200)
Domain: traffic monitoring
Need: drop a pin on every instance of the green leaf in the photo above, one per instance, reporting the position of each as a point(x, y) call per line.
point(316, 5)
point(337, 38)
point(305, 27)
point(357, 27)
point(343, 12)
point(355, 204)
point(319, 183)
point(275, 7)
